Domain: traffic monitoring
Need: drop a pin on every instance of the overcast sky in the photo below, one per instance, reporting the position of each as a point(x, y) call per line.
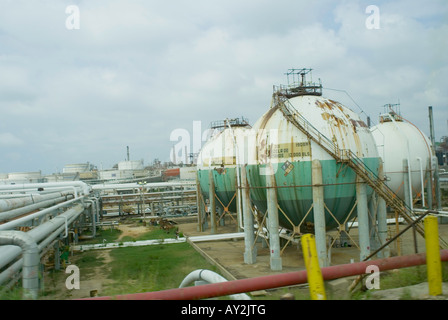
point(136, 71)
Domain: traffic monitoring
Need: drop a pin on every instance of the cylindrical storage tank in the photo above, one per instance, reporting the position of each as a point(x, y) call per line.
point(221, 155)
point(188, 173)
point(115, 174)
point(398, 140)
point(130, 165)
point(25, 177)
point(290, 152)
point(173, 172)
point(76, 168)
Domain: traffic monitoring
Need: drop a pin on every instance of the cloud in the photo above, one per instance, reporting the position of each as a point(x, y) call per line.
point(137, 70)
point(10, 140)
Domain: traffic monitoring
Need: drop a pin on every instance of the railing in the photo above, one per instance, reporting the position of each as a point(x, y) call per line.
point(348, 157)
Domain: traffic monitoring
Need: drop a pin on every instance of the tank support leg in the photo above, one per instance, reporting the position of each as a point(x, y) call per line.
point(363, 219)
point(213, 221)
point(274, 238)
point(250, 253)
point(408, 196)
point(382, 221)
point(319, 214)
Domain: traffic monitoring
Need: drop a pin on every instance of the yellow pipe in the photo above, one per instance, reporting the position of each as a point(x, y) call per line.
point(433, 262)
point(314, 274)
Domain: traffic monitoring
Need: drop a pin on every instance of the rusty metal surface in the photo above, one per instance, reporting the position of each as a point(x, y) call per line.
point(340, 125)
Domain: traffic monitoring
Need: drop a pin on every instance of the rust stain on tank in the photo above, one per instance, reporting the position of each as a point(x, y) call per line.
point(362, 124)
point(335, 120)
point(325, 116)
point(324, 105)
point(268, 116)
point(354, 125)
point(358, 144)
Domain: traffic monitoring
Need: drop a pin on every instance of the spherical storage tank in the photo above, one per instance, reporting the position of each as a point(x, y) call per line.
point(291, 153)
point(220, 155)
point(398, 140)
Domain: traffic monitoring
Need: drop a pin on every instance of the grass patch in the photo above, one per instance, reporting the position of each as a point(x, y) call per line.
point(402, 278)
point(103, 235)
point(15, 293)
point(153, 268)
point(88, 261)
point(409, 276)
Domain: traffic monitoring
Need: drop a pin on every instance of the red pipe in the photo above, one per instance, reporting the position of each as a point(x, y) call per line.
point(274, 281)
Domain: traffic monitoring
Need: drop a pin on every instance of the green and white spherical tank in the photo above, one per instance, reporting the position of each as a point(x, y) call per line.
point(291, 153)
point(220, 155)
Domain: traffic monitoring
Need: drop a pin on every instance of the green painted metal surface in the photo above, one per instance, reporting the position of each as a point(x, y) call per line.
point(225, 186)
point(294, 190)
point(295, 194)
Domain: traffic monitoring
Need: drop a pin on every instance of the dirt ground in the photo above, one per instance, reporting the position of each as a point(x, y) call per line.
point(131, 230)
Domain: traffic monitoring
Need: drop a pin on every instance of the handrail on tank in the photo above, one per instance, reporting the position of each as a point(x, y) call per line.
point(370, 177)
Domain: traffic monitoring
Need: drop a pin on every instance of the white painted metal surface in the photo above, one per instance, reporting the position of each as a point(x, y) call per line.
point(131, 165)
point(397, 141)
point(278, 140)
point(207, 276)
point(220, 149)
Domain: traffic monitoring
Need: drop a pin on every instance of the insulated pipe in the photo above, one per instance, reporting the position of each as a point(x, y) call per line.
point(210, 277)
point(32, 191)
point(41, 232)
point(101, 187)
point(274, 281)
point(11, 214)
point(94, 213)
point(48, 190)
point(44, 234)
point(31, 260)
point(86, 189)
point(50, 237)
point(10, 204)
point(16, 266)
point(20, 221)
point(11, 270)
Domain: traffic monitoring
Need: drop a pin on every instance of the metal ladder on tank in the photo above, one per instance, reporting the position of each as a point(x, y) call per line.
point(349, 158)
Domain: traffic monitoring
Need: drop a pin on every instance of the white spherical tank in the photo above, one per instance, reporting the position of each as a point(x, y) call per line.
point(220, 149)
point(291, 153)
point(397, 141)
point(221, 156)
